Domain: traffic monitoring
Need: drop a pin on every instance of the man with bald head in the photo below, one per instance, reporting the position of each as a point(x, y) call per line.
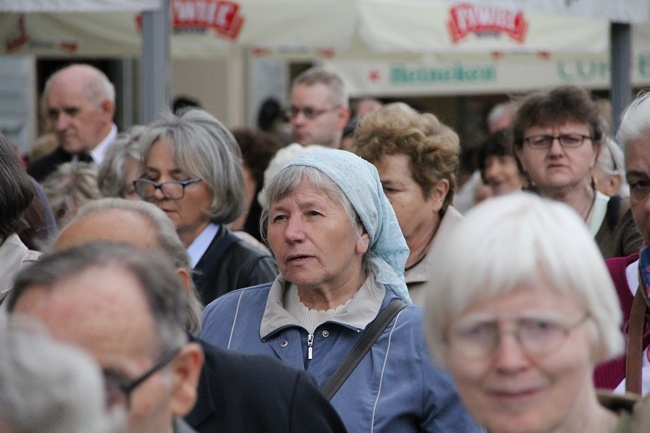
point(236, 393)
point(79, 104)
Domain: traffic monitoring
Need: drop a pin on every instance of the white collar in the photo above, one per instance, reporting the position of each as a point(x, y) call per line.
point(200, 245)
point(99, 152)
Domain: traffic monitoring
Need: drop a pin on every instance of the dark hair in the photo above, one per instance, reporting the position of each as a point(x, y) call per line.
point(16, 190)
point(270, 111)
point(498, 143)
point(183, 102)
point(258, 148)
point(556, 107)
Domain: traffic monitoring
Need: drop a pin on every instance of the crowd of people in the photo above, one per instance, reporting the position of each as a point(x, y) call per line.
point(327, 271)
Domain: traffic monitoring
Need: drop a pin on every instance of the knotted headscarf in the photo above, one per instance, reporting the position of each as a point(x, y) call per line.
point(359, 181)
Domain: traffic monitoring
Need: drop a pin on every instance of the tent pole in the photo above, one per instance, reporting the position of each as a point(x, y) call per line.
point(621, 63)
point(155, 73)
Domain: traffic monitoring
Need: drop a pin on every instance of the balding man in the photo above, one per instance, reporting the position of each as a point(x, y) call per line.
point(126, 310)
point(79, 103)
point(236, 393)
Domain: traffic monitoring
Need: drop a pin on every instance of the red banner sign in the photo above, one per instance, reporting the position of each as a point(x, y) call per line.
point(222, 16)
point(468, 18)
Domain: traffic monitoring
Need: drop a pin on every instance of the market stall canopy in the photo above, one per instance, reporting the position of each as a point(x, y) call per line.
point(314, 28)
point(78, 5)
point(621, 11)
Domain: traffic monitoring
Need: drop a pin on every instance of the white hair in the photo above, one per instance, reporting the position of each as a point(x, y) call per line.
point(49, 386)
point(515, 240)
point(278, 161)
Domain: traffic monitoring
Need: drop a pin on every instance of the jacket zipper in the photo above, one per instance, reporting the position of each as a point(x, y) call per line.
point(310, 345)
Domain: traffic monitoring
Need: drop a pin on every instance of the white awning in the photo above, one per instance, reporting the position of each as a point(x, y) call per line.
point(622, 11)
point(78, 5)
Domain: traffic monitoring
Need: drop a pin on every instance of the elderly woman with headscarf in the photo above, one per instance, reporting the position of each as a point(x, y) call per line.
point(341, 255)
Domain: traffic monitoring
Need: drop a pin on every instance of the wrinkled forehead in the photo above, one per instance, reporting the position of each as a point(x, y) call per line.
point(100, 309)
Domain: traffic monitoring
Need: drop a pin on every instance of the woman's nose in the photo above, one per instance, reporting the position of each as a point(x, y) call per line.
point(294, 230)
point(509, 353)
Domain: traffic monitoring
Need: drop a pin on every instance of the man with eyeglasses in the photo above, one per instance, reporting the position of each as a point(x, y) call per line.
point(126, 310)
point(318, 109)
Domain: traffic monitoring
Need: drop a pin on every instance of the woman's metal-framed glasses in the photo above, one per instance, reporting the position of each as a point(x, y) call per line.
point(118, 393)
point(171, 190)
point(308, 112)
point(536, 337)
point(566, 140)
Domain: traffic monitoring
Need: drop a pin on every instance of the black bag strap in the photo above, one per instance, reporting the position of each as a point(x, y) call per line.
point(368, 338)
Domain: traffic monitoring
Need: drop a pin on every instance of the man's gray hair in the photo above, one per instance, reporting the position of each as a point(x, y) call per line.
point(338, 95)
point(166, 238)
point(97, 87)
point(48, 386)
point(153, 270)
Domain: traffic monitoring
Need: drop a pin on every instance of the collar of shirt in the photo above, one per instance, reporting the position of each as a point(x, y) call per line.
point(357, 313)
point(201, 243)
point(99, 151)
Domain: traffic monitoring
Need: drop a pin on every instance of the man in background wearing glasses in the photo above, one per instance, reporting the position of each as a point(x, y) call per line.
point(319, 108)
point(125, 309)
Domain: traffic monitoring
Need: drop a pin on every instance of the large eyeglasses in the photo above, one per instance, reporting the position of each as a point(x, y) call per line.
point(171, 190)
point(566, 140)
point(118, 393)
point(308, 112)
point(536, 337)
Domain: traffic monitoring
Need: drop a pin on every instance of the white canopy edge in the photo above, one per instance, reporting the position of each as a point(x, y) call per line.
point(621, 11)
point(78, 5)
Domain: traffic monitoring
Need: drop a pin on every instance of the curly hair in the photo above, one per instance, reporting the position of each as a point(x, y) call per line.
point(432, 146)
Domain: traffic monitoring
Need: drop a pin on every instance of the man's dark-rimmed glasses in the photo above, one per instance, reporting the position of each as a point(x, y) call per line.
point(118, 393)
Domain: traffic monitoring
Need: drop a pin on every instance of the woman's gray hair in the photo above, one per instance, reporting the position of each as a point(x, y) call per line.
point(520, 240)
point(69, 187)
point(290, 178)
point(154, 271)
point(166, 238)
point(111, 171)
point(49, 386)
point(202, 147)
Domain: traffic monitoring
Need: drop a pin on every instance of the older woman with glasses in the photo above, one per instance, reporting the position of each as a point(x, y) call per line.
point(558, 135)
point(193, 172)
point(341, 255)
point(522, 330)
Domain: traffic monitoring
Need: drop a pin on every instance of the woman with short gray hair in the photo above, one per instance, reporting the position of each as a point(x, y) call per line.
point(193, 172)
point(522, 313)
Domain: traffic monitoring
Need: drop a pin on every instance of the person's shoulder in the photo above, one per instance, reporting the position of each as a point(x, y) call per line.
point(615, 263)
point(249, 364)
point(246, 295)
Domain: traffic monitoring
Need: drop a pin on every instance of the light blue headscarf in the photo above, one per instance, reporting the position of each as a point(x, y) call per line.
point(359, 181)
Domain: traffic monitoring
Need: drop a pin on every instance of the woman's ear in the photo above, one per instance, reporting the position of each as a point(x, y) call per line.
point(363, 243)
point(438, 194)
